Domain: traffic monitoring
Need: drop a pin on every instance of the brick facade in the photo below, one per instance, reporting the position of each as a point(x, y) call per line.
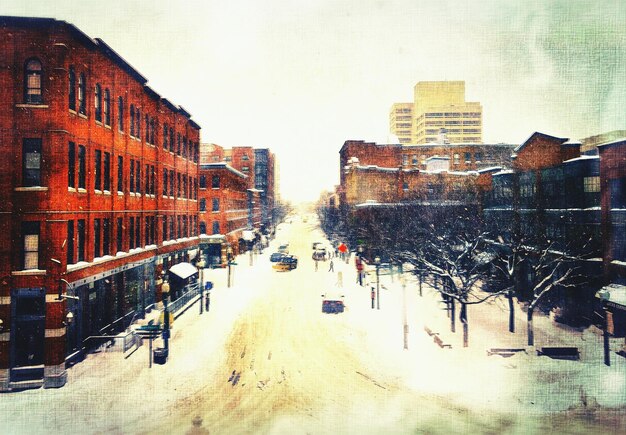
point(98, 193)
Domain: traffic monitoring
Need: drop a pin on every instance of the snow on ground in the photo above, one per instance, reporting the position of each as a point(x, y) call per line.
point(304, 371)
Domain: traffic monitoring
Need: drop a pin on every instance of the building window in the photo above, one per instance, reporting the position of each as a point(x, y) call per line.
point(405, 160)
point(153, 131)
point(178, 185)
point(106, 185)
point(184, 147)
point(202, 182)
point(216, 227)
point(31, 162)
point(98, 102)
point(468, 157)
point(81, 239)
point(164, 182)
point(147, 118)
point(202, 227)
point(30, 234)
point(202, 204)
point(457, 159)
point(171, 227)
point(132, 175)
point(96, 238)
point(82, 88)
point(131, 232)
point(33, 93)
point(171, 140)
point(137, 124)
point(215, 182)
point(147, 180)
point(70, 242)
point(98, 170)
point(216, 204)
point(107, 107)
point(132, 120)
point(137, 232)
point(71, 95)
point(71, 165)
point(478, 157)
point(172, 182)
point(165, 136)
point(137, 177)
point(81, 167)
point(405, 186)
point(195, 188)
point(119, 234)
point(244, 169)
point(165, 228)
point(245, 157)
point(120, 114)
point(120, 174)
point(106, 236)
point(178, 143)
point(591, 184)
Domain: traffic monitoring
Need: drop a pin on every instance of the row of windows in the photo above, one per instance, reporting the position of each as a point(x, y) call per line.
point(215, 181)
point(105, 236)
point(186, 186)
point(215, 204)
point(102, 111)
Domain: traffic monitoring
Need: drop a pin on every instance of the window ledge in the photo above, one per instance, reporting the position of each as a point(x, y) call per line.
point(120, 193)
point(98, 191)
point(82, 190)
point(71, 189)
point(28, 272)
point(107, 126)
point(31, 189)
point(72, 111)
point(99, 123)
point(32, 106)
point(82, 115)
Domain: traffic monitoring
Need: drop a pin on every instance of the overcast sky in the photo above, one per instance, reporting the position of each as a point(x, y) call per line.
point(302, 76)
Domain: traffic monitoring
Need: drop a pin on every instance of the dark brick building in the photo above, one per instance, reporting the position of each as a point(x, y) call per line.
point(98, 194)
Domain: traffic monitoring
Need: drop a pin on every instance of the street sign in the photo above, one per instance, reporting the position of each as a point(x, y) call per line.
point(208, 285)
point(149, 327)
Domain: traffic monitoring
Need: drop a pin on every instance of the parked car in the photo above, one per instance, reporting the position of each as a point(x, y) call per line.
point(332, 303)
point(276, 257)
point(319, 255)
point(284, 249)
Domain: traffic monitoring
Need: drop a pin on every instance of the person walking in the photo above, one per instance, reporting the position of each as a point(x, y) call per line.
point(332, 266)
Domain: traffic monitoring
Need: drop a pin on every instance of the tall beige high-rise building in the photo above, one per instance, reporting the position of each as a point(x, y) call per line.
point(439, 106)
point(401, 121)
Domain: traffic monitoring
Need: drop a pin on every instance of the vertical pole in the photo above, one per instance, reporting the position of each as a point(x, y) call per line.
point(201, 289)
point(377, 287)
point(605, 335)
point(166, 321)
point(404, 315)
point(150, 351)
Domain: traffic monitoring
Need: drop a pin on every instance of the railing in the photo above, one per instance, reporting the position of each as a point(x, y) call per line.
point(192, 290)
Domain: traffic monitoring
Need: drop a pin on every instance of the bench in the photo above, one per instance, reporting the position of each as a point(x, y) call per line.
point(429, 332)
point(440, 342)
point(505, 352)
point(560, 352)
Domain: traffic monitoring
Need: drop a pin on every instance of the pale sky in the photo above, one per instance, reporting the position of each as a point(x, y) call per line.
point(302, 76)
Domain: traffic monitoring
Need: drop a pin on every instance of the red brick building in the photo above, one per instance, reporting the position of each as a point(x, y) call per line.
point(98, 194)
point(222, 210)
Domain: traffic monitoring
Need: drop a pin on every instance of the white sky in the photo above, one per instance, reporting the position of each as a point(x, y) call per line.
point(302, 76)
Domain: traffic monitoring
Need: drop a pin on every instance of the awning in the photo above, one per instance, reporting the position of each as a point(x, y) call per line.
point(183, 270)
point(614, 295)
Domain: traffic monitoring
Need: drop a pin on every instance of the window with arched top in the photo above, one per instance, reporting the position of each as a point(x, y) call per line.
point(202, 227)
point(106, 107)
point(98, 102)
point(82, 88)
point(33, 75)
point(71, 95)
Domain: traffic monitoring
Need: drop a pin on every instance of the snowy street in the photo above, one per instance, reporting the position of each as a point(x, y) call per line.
point(265, 359)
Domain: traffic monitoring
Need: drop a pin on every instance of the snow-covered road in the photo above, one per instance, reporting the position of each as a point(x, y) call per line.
point(265, 359)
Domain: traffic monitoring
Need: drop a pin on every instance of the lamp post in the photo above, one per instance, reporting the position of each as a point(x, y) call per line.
point(165, 294)
point(377, 262)
point(604, 298)
point(201, 265)
point(229, 253)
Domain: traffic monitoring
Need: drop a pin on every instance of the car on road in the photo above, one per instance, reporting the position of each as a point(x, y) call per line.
point(284, 248)
point(332, 302)
point(288, 262)
point(276, 257)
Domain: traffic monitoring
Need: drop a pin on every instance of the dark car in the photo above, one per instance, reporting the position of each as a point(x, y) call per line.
point(291, 260)
point(332, 303)
point(276, 257)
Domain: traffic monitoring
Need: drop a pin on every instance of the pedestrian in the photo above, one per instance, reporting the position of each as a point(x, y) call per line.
point(373, 297)
point(332, 266)
point(207, 301)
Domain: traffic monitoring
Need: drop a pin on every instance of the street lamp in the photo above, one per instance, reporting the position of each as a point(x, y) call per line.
point(229, 253)
point(201, 263)
point(377, 262)
point(165, 294)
